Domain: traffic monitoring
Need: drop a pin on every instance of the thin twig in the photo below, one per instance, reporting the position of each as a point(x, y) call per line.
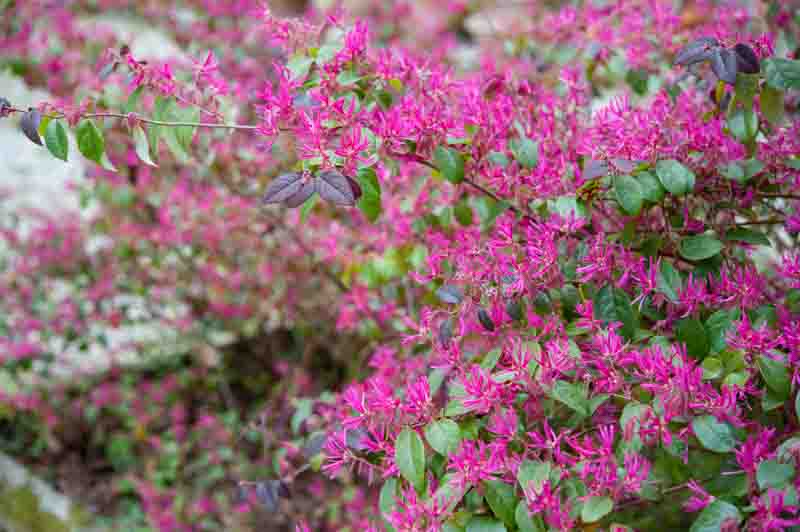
point(152, 121)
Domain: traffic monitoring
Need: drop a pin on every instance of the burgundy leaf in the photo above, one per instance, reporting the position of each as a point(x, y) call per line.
point(445, 332)
point(300, 197)
point(5, 107)
point(746, 59)
point(723, 63)
point(333, 186)
point(697, 51)
point(355, 187)
point(594, 169)
point(514, 309)
point(450, 294)
point(30, 125)
point(283, 187)
point(269, 492)
point(485, 320)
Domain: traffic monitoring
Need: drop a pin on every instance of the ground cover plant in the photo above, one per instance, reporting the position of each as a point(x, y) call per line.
point(518, 266)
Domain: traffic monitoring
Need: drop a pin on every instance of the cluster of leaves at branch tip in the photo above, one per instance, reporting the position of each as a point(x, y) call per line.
point(725, 62)
point(294, 188)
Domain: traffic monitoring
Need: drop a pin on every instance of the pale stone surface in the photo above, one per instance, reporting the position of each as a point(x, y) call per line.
point(28, 504)
point(30, 177)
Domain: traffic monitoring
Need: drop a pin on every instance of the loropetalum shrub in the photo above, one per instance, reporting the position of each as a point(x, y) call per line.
point(574, 255)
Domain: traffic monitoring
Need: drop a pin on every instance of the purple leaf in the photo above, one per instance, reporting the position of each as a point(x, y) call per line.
point(723, 63)
point(594, 169)
point(746, 59)
point(333, 186)
point(268, 493)
point(355, 187)
point(30, 125)
point(697, 51)
point(450, 294)
point(623, 165)
point(485, 320)
point(300, 197)
point(356, 439)
point(283, 187)
point(314, 445)
point(445, 332)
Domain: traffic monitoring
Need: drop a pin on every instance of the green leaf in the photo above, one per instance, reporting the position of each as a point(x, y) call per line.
point(370, 201)
point(749, 236)
point(743, 125)
point(629, 194)
point(715, 515)
point(485, 524)
point(525, 521)
point(652, 190)
point(308, 206)
point(133, 101)
point(712, 368)
point(142, 146)
point(444, 436)
point(533, 475)
point(160, 113)
point(568, 206)
point(501, 499)
point(669, 281)
point(691, 332)
point(746, 87)
point(184, 134)
point(573, 395)
point(55, 138)
point(613, 304)
point(409, 455)
point(772, 105)
point(773, 474)
point(675, 177)
point(299, 66)
point(714, 435)
point(90, 141)
point(525, 151)
point(717, 326)
point(782, 74)
point(387, 499)
point(450, 163)
point(776, 375)
point(700, 247)
point(491, 359)
point(595, 508)
point(463, 212)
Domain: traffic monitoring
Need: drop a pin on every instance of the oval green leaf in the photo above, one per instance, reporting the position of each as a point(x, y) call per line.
point(675, 177)
point(700, 247)
point(629, 194)
point(409, 455)
point(714, 435)
point(55, 138)
point(450, 163)
point(444, 436)
point(90, 141)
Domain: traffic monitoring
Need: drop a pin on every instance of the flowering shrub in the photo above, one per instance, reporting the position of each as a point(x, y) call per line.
point(567, 258)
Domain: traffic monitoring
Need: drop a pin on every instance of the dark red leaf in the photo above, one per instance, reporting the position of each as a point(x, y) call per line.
point(485, 320)
point(300, 197)
point(333, 186)
point(30, 125)
point(355, 187)
point(723, 63)
point(445, 332)
point(697, 51)
point(283, 187)
point(746, 59)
